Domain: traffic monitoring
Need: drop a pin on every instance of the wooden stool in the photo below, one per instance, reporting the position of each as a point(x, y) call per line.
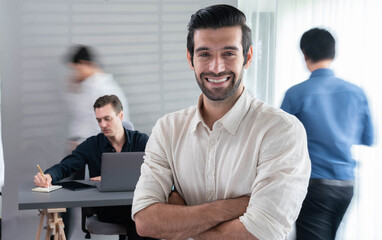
point(54, 224)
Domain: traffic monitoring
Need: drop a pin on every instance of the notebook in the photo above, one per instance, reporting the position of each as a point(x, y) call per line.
point(48, 189)
point(120, 171)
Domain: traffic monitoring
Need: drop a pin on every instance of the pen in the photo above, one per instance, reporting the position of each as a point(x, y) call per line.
point(42, 174)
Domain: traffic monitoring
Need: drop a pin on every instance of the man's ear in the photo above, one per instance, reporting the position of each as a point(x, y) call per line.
point(249, 57)
point(190, 63)
point(306, 58)
point(120, 115)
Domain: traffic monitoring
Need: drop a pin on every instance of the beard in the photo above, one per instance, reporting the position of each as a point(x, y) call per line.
point(219, 94)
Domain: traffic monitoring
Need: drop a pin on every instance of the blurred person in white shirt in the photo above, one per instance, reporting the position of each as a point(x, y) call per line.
point(88, 83)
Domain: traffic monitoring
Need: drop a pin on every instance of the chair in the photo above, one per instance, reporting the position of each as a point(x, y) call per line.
point(128, 125)
point(90, 223)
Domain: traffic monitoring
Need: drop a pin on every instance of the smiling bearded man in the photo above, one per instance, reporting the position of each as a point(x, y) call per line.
point(239, 167)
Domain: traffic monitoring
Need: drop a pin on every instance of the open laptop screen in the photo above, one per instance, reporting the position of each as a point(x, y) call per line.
point(120, 171)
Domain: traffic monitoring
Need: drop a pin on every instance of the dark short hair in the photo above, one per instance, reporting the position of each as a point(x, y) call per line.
point(112, 99)
point(318, 44)
point(78, 53)
point(218, 16)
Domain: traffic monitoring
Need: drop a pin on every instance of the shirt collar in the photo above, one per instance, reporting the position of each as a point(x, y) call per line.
point(231, 120)
point(197, 119)
point(107, 142)
point(322, 72)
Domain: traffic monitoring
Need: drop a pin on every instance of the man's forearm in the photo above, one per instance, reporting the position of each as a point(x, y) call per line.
point(230, 230)
point(179, 222)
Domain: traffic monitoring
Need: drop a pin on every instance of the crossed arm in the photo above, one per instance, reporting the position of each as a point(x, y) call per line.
point(175, 220)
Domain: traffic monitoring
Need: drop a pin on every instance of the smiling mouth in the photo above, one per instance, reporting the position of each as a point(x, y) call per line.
point(217, 80)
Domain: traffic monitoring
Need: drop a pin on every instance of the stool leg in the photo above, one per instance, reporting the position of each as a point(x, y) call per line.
point(41, 213)
point(61, 229)
point(48, 226)
point(57, 224)
point(54, 224)
point(56, 228)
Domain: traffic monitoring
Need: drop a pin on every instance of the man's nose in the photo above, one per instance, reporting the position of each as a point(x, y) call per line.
point(217, 65)
point(102, 123)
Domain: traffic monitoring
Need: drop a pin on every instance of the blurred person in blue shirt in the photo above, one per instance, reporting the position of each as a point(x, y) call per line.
point(336, 115)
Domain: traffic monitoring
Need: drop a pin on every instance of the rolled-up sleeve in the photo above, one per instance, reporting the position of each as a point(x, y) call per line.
point(156, 180)
point(281, 183)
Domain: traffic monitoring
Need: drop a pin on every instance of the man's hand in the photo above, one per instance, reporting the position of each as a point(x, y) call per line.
point(96, 178)
point(44, 180)
point(176, 199)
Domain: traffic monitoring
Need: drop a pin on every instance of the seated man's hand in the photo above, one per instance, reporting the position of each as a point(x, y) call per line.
point(175, 199)
point(96, 178)
point(44, 180)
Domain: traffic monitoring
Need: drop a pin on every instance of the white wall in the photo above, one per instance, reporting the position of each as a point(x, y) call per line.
point(141, 42)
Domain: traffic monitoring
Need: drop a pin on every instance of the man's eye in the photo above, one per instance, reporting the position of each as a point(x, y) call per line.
point(229, 54)
point(203, 55)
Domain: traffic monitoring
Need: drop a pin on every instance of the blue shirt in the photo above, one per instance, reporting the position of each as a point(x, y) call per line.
point(90, 152)
point(336, 115)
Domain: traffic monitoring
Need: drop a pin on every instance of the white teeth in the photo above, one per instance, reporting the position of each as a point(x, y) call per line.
point(217, 81)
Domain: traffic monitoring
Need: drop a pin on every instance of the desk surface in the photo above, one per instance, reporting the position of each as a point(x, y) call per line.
point(63, 198)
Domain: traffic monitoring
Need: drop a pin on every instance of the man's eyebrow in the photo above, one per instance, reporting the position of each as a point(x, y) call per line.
point(202, 49)
point(103, 117)
point(231, 48)
point(224, 48)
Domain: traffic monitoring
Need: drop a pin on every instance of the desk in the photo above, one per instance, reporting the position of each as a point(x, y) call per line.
point(63, 198)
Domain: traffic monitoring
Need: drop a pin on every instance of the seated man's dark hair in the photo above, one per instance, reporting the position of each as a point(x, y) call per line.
point(112, 99)
point(80, 53)
point(318, 44)
point(219, 16)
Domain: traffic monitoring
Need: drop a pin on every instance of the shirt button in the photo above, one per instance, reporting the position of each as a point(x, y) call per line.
point(210, 176)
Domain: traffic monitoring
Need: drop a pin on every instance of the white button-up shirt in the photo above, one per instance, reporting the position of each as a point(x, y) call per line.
point(254, 150)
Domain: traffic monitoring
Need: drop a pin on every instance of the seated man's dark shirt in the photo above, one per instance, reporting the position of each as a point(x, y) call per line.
point(90, 151)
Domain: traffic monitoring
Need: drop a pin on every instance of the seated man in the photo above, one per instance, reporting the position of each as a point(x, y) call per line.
point(114, 138)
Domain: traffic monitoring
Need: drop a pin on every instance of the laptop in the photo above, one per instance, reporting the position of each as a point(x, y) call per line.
point(120, 171)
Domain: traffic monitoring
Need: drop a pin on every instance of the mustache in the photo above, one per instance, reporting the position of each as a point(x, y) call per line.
point(211, 74)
